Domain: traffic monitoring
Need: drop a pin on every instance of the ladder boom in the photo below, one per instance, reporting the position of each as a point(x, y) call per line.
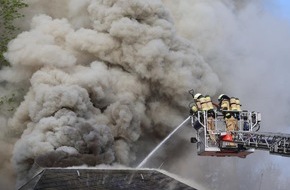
point(275, 143)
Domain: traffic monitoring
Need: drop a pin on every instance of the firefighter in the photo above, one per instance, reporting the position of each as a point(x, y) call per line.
point(231, 122)
point(210, 113)
point(224, 105)
point(228, 106)
point(235, 107)
point(210, 118)
point(197, 104)
point(195, 108)
point(197, 101)
point(204, 103)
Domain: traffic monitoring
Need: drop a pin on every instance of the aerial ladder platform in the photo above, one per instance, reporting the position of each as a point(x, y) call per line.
point(241, 142)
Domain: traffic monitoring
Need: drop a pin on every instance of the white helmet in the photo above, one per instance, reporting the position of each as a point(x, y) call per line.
point(196, 96)
point(223, 96)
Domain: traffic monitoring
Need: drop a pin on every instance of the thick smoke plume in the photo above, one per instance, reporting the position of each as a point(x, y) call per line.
point(104, 80)
point(94, 88)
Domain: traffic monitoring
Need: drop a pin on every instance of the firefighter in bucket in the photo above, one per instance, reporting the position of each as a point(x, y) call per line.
point(204, 103)
point(230, 108)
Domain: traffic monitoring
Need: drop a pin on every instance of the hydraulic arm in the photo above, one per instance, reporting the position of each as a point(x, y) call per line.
point(275, 143)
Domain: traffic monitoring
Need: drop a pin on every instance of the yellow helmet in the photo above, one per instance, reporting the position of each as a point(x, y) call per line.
point(196, 96)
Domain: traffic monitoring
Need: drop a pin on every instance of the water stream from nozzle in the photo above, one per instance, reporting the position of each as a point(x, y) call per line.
point(161, 143)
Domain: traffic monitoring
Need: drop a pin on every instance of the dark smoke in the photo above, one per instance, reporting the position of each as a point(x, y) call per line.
point(96, 85)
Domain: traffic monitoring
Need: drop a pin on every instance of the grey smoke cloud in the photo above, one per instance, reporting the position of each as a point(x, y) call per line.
point(96, 88)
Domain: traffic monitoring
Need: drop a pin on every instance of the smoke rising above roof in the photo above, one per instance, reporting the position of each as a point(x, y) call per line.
point(95, 90)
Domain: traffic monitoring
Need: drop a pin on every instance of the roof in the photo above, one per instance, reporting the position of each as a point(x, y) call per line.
point(104, 179)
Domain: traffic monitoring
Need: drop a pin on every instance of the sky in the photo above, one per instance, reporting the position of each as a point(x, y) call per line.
point(284, 8)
